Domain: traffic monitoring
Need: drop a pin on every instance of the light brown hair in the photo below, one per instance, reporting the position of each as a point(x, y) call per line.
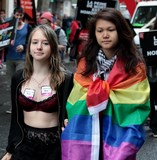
point(55, 66)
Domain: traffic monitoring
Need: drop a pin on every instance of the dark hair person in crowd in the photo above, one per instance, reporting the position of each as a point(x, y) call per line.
point(46, 18)
point(109, 102)
point(39, 93)
point(2, 19)
point(15, 53)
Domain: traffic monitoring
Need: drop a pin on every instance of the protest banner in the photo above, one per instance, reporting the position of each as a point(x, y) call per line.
point(7, 32)
point(148, 43)
point(29, 10)
point(86, 8)
point(130, 4)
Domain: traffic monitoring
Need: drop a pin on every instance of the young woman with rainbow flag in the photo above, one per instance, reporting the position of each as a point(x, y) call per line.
point(109, 102)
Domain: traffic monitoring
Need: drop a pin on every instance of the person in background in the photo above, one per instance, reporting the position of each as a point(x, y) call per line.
point(39, 93)
point(75, 28)
point(80, 38)
point(83, 35)
point(75, 25)
point(46, 18)
point(66, 22)
point(2, 15)
point(58, 22)
point(2, 19)
point(54, 18)
point(15, 53)
point(38, 14)
point(152, 77)
point(109, 102)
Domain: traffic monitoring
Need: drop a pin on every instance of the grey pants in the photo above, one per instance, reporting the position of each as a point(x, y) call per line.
point(13, 66)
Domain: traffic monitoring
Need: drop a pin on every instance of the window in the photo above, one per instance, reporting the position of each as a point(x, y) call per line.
point(144, 15)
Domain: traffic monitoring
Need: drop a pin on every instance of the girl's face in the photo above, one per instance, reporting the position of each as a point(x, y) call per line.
point(40, 48)
point(107, 36)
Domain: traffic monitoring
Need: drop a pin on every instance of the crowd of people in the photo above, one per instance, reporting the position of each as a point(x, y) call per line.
point(99, 111)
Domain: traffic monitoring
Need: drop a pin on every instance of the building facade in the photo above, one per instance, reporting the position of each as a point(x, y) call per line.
point(7, 5)
point(59, 7)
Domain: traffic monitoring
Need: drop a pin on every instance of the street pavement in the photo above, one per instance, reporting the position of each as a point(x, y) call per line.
point(147, 152)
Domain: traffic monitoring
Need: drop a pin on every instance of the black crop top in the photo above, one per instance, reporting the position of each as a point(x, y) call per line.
point(48, 105)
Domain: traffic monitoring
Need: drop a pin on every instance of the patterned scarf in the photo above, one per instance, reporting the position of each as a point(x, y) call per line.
point(104, 65)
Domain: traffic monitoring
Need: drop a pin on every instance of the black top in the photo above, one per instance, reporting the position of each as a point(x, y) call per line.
point(16, 133)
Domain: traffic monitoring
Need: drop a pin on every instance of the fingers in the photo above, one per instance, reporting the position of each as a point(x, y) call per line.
point(19, 48)
point(65, 124)
point(7, 156)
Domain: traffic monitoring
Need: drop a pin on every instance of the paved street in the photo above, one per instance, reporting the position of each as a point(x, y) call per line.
point(147, 152)
point(4, 118)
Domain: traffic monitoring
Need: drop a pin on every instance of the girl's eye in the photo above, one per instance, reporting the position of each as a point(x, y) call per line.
point(45, 43)
point(99, 30)
point(34, 42)
point(111, 30)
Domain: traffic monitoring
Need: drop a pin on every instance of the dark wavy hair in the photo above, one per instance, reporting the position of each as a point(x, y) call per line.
point(126, 48)
point(18, 9)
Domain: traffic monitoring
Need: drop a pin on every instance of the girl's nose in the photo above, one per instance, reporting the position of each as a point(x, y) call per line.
point(105, 34)
point(39, 46)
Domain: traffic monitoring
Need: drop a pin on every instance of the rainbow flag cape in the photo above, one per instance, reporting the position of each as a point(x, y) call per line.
point(108, 113)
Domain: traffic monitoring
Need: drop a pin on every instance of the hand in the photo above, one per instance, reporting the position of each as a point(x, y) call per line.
point(65, 123)
point(19, 48)
point(12, 42)
point(7, 156)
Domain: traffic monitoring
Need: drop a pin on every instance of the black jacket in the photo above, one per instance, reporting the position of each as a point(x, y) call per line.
point(16, 133)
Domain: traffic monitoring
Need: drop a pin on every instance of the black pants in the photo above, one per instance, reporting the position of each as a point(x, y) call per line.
point(39, 144)
point(153, 101)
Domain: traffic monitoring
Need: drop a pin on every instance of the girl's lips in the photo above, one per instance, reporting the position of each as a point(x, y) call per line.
point(106, 42)
point(38, 53)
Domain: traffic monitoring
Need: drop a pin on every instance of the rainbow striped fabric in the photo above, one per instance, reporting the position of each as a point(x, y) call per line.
point(106, 117)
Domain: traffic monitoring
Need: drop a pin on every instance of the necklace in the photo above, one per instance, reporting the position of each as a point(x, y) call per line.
point(40, 83)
